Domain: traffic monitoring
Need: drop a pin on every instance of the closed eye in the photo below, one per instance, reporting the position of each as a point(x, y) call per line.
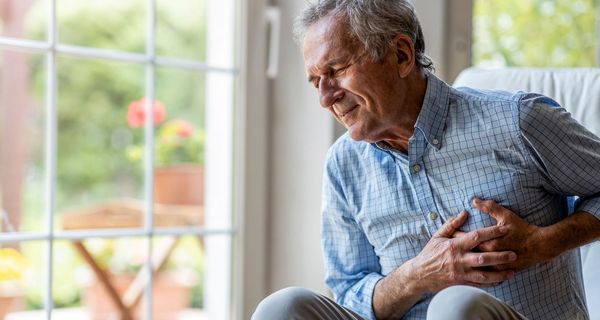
point(340, 70)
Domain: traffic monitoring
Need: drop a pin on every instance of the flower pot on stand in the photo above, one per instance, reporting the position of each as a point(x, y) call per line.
point(171, 293)
point(181, 184)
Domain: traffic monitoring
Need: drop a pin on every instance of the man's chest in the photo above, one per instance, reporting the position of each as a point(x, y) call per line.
point(405, 201)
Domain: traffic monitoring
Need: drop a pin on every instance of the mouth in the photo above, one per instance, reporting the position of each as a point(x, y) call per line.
point(348, 111)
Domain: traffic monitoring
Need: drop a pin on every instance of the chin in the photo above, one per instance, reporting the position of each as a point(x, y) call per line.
point(356, 135)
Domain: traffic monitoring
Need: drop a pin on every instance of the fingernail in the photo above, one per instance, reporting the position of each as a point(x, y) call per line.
point(476, 200)
point(512, 256)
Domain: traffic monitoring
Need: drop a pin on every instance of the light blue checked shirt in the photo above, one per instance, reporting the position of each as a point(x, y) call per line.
point(380, 206)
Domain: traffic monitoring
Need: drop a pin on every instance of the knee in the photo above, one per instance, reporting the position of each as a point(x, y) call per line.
point(458, 302)
point(288, 303)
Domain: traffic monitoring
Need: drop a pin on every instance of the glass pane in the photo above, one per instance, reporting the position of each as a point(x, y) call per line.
point(536, 33)
point(187, 20)
point(178, 286)
point(23, 280)
point(26, 19)
point(22, 141)
point(93, 276)
point(179, 147)
point(106, 24)
point(99, 185)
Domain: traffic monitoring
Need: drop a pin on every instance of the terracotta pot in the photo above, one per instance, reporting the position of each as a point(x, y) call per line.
point(179, 184)
point(169, 297)
point(9, 302)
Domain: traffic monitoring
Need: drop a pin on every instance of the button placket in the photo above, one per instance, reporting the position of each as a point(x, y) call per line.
point(423, 191)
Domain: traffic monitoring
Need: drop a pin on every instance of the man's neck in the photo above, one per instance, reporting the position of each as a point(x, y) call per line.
point(417, 87)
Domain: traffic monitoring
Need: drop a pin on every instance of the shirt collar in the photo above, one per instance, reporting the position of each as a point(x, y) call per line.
point(432, 118)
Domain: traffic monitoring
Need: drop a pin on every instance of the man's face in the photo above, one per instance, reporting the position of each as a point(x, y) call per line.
point(363, 95)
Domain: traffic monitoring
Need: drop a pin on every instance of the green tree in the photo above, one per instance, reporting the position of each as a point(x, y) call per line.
point(536, 33)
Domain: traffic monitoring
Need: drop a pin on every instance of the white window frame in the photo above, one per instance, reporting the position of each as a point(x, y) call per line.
point(219, 230)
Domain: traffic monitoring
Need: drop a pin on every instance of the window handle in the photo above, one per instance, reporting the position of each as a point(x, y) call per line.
point(273, 16)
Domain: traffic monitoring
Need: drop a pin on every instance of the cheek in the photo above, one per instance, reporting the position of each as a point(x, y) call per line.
point(330, 109)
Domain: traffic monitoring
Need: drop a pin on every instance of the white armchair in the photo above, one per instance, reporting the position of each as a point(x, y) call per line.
point(577, 90)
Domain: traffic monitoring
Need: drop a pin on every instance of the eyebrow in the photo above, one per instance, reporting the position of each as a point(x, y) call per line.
point(329, 64)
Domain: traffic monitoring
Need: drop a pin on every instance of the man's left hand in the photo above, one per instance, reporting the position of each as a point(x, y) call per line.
point(525, 239)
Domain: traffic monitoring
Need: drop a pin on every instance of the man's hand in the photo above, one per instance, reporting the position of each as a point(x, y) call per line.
point(523, 238)
point(445, 261)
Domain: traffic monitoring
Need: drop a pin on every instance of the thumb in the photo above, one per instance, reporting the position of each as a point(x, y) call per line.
point(448, 228)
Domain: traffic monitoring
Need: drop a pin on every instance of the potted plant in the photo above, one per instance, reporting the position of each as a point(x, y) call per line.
point(12, 266)
point(123, 259)
point(179, 155)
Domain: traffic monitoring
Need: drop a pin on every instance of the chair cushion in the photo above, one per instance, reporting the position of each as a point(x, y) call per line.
point(576, 89)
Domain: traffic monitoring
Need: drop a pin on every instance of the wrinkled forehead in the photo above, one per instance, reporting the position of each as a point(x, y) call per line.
point(326, 39)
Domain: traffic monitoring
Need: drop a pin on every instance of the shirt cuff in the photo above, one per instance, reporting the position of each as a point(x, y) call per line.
point(591, 205)
point(362, 298)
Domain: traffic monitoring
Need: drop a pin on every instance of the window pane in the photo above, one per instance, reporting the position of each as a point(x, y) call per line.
point(84, 269)
point(536, 33)
point(80, 290)
point(181, 29)
point(96, 175)
point(180, 144)
point(105, 24)
point(182, 275)
point(22, 141)
point(23, 284)
point(24, 19)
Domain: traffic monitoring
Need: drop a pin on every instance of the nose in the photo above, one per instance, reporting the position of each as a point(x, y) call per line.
point(329, 92)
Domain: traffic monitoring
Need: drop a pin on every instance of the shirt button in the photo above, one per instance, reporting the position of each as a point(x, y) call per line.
point(417, 168)
point(435, 142)
point(433, 216)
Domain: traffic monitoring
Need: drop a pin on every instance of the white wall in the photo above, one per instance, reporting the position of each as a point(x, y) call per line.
point(447, 31)
point(431, 14)
point(301, 132)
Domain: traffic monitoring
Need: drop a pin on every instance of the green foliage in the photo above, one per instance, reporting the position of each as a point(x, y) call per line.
point(93, 95)
point(536, 33)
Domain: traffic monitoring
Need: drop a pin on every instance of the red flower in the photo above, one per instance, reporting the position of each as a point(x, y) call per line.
point(136, 114)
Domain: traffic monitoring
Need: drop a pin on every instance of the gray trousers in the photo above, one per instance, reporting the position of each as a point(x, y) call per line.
point(454, 303)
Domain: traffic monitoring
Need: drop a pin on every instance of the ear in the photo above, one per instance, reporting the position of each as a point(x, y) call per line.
point(404, 49)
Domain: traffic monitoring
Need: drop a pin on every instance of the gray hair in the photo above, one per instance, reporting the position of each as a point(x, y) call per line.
point(374, 23)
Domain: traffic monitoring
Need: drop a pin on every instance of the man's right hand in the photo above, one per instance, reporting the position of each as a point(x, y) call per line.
point(445, 261)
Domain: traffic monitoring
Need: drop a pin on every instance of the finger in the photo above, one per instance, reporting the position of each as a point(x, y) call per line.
point(491, 245)
point(484, 259)
point(448, 228)
point(459, 234)
point(489, 277)
point(476, 237)
point(490, 207)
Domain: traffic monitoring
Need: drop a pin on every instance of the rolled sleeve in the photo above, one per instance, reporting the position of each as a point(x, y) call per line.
point(567, 152)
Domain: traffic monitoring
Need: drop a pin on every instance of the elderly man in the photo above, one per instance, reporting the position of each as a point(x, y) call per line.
point(438, 189)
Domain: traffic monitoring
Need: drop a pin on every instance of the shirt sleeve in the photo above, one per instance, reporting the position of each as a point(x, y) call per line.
point(352, 266)
point(567, 152)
